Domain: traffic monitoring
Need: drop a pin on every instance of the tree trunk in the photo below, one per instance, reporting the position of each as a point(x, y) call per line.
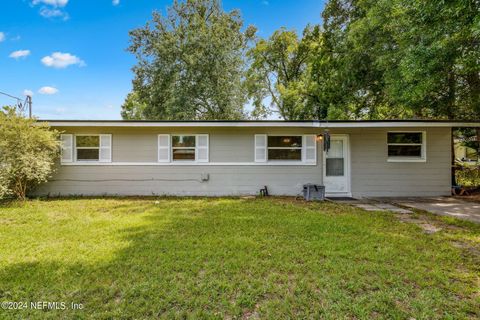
point(473, 80)
point(478, 143)
point(450, 111)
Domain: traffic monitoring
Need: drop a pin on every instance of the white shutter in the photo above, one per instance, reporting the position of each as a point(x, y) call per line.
point(260, 148)
point(66, 148)
point(201, 144)
point(163, 148)
point(105, 148)
point(310, 148)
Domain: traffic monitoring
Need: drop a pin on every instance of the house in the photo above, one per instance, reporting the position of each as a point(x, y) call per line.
point(220, 158)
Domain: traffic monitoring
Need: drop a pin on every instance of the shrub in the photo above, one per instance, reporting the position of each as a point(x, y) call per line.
point(468, 176)
point(28, 151)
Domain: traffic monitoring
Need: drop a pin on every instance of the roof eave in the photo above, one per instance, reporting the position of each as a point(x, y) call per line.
point(256, 124)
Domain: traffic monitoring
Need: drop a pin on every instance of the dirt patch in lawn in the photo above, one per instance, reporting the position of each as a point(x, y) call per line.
point(427, 226)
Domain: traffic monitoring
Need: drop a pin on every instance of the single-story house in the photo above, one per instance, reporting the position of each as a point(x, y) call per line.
point(221, 158)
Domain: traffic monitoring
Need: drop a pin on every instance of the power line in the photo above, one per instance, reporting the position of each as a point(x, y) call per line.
point(9, 95)
point(20, 105)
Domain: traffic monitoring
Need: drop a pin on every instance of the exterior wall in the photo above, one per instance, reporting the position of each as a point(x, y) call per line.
point(371, 173)
point(226, 145)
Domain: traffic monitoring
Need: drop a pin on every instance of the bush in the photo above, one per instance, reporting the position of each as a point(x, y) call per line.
point(28, 151)
point(468, 176)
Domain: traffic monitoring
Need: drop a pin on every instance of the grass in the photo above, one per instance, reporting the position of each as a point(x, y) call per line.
point(231, 258)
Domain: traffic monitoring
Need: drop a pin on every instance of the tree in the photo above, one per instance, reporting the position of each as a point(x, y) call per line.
point(279, 74)
point(190, 64)
point(133, 108)
point(27, 153)
point(439, 57)
point(400, 59)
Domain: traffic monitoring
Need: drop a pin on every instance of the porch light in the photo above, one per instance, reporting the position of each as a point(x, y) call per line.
point(319, 137)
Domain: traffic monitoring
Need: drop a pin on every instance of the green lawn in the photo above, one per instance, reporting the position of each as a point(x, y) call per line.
point(232, 258)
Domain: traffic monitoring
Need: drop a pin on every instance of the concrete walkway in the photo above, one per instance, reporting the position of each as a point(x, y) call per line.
point(443, 206)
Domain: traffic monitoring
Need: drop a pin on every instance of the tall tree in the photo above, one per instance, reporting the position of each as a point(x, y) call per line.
point(400, 58)
point(190, 64)
point(278, 77)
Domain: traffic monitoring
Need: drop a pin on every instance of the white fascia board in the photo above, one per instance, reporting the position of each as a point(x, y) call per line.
point(181, 124)
point(394, 124)
point(286, 124)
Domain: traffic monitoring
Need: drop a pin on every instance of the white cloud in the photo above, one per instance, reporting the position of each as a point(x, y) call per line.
point(19, 54)
point(27, 92)
point(60, 110)
point(2, 36)
point(62, 60)
point(54, 3)
point(48, 90)
point(54, 13)
point(52, 9)
point(115, 2)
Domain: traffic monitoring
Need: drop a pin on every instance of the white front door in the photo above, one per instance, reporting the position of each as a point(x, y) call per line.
point(336, 167)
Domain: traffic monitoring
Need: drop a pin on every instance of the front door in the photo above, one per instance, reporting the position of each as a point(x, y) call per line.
point(336, 167)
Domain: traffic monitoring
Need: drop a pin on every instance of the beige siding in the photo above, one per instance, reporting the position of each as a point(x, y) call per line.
point(140, 145)
point(134, 147)
point(371, 174)
point(179, 180)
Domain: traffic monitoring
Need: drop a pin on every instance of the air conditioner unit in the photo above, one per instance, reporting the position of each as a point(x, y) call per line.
point(313, 192)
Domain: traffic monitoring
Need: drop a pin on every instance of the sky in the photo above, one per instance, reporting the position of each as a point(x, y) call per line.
point(71, 54)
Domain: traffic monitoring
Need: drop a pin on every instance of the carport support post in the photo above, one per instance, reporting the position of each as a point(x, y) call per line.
point(452, 148)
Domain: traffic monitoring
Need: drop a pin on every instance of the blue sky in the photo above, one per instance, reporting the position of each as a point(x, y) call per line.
point(71, 53)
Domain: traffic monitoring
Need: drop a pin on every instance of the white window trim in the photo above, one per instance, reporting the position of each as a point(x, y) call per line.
point(83, 148)
point(64, 149)
point(168, 148)
point(102, 135)
point(256, 153)
point(198, 147)
point(196, 161)
point(423, 157)
point(305, 148)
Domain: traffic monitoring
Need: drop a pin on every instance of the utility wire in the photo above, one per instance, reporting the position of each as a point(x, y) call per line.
point(20, 105)
point(9, 95)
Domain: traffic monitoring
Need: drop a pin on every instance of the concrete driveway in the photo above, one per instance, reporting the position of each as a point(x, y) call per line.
point(443, 206)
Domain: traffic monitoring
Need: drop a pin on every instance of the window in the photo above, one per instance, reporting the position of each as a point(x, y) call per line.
point(335, 159)
point(284, 148)
point(183, 148)
point(406, 146)
point(87, 148)
point(277, 149)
